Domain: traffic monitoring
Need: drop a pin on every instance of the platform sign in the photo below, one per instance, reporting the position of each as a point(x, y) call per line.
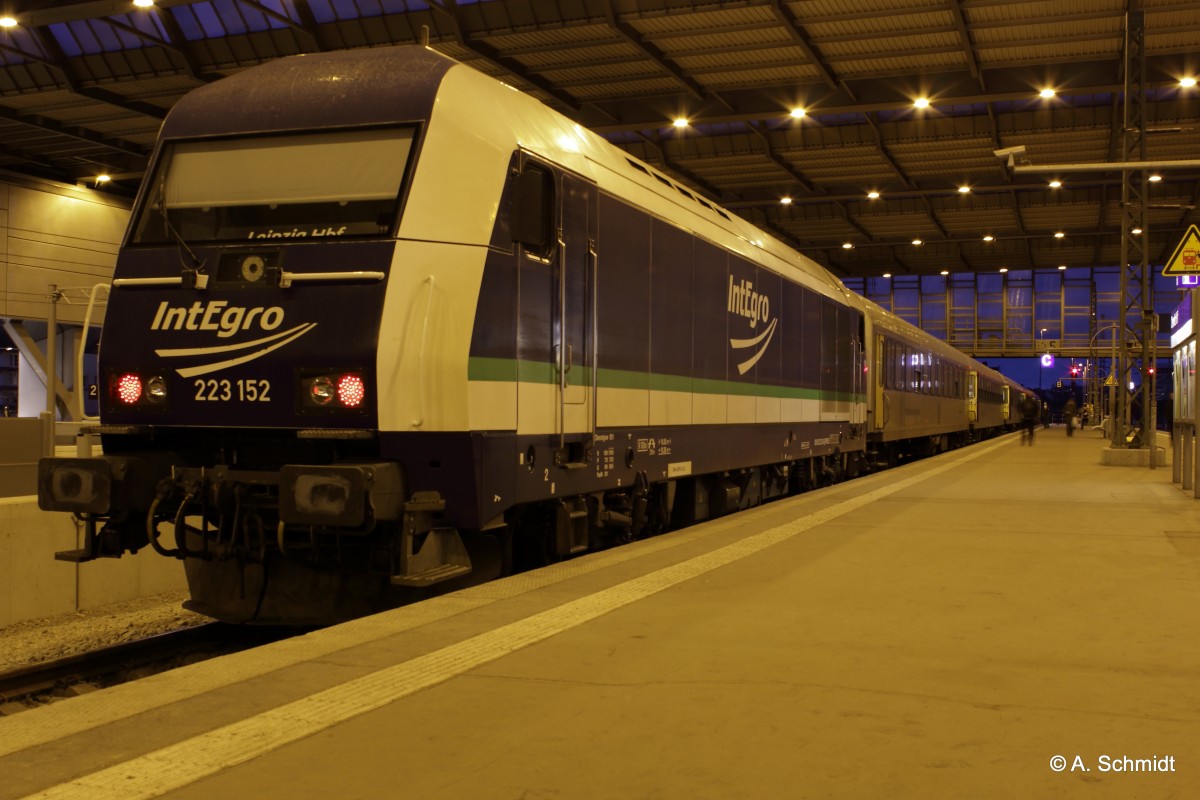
point(1186, 258)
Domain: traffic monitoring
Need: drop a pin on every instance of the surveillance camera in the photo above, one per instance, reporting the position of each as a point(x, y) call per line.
point(1008, 152)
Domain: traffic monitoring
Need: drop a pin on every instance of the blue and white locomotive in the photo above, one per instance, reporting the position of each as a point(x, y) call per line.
point(381, 321)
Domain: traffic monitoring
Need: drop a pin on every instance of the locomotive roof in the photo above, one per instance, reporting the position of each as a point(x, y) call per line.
point(319, 90)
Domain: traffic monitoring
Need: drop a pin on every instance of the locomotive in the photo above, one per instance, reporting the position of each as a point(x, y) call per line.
point(382, 324)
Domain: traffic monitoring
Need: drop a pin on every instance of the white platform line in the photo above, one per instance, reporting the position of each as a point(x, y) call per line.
point(185, 762)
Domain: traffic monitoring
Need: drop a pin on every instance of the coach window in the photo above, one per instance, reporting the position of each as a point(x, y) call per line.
point(533, 210)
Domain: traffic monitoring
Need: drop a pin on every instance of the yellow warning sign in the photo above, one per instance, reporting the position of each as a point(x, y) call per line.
point(1110, 381)
point(1186, 258)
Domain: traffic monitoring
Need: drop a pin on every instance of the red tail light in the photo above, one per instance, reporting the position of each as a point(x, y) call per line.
point(129, 388)
point(351, 391)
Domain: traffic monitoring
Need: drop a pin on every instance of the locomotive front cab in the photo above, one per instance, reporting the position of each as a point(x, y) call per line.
point(239, 395)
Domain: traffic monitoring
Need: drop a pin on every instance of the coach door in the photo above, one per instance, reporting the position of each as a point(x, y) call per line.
point(877, 376)
point(972, 396)
point(574, 321)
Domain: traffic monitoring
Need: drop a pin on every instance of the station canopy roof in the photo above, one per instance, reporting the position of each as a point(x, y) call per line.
point(810, 101)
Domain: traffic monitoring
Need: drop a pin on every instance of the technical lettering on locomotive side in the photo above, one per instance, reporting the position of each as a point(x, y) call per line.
point(216, 315)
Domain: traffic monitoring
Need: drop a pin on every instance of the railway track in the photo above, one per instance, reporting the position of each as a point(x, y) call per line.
point(39, 683)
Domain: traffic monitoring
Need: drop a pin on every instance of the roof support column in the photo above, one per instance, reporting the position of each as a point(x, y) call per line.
point(1137, 321)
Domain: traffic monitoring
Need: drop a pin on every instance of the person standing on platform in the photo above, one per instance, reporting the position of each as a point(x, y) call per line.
point(1030, 409)
point(1069, 415)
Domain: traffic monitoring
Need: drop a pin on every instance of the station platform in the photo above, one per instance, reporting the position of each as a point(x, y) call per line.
point(950, 628)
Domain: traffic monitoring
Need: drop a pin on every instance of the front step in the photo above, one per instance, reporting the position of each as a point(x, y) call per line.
point(571, 526)
point(442, 555)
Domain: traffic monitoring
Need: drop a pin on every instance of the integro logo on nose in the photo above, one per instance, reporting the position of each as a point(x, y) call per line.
point(755, 307)
point(225, 320)
point(216, 315)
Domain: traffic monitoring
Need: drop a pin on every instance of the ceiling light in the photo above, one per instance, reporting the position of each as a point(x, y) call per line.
point(1054, 184)
point(1062, 266)
point(103, 179)
point(918, 242)
point(872, 195)
point(1003, 270)
point(7, 22)
point(1187, 83)
point(964, 190)
point(1047, 93)
point(887, 274)
point(1059, 234)
point(1136, 231)
point(847, 246)
point(785, 201)
point(143, 3)
point(989, 238)
point(680, 122)
point(1154, 178)
point(921, 102)
point(945, 272)
point(798, 112)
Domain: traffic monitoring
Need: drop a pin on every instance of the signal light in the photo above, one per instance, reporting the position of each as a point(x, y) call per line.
point(129, 390)
point(332, 391)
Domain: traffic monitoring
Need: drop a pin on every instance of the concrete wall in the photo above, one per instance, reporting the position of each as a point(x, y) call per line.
point(20, 448)
point(33, 584)
point(54, 233)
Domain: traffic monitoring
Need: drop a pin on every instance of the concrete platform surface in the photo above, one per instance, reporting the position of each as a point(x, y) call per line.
point(947, 629)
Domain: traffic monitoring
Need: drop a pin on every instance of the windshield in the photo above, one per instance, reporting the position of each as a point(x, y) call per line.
point(298, 186)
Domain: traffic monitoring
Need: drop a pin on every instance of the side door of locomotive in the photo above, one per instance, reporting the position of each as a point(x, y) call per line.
point(555, 222)
point(574, 337)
